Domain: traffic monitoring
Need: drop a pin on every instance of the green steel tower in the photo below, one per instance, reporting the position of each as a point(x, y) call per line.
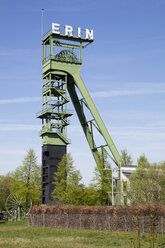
point(62, 60)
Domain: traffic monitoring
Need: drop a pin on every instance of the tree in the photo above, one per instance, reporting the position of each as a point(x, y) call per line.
point(126, 158)
point(74, 190)
point(67, 180)
point(5, 182)
point(147, 183)
point(102, 180)
point(27, 179)
point(91, 196)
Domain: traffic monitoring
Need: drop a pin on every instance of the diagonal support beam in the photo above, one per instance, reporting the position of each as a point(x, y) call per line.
point(91, 106)
point(83, 121)
point(75, 79)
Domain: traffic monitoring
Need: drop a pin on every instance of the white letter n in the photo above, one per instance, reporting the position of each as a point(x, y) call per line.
point(89, 34)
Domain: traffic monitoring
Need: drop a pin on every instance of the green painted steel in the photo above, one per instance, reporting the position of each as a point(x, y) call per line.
point(66, 64)
point(83, 121)
point(54, 112)
point(97, 118)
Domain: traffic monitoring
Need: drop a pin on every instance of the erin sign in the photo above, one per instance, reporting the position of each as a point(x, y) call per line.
point(70, 31)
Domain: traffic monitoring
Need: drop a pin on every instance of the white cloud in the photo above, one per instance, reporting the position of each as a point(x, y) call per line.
point(114, 93)
point(19, 127)
point(19, 100)
point(137, 89)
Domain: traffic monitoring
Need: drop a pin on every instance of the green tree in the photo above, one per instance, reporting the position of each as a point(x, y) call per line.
point(162, 181)
point(143, 162)
point(27, 179)
point(67, 180)
point(74, 190)
point(147, 183)
point(5, 184)
point(102, 180)
point(126, 158)
point(91, 196)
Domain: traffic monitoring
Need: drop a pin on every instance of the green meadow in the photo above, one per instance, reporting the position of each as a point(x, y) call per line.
point(20, 235)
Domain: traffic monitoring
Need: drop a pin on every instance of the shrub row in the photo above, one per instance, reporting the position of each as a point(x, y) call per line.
point(138, 210)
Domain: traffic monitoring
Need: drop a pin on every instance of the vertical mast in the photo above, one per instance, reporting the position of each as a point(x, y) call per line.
point(42, 28)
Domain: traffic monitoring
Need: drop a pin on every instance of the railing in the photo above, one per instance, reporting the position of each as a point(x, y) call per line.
point(49, 128)
point(47, 34)
point(60, 92)
point(51, 111)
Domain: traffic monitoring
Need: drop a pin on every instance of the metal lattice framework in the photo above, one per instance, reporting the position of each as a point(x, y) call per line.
point(66, 65)
point(61, 74)
point(54, 112)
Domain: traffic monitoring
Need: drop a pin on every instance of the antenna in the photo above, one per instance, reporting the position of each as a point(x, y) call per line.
point(42, 23)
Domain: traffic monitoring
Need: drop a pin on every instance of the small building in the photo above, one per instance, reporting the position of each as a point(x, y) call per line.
point(125, 172)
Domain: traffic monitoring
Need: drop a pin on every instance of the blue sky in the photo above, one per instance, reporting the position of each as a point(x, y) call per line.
point(123, 70)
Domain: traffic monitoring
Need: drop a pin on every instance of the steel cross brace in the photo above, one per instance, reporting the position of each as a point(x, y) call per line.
point(75, 80)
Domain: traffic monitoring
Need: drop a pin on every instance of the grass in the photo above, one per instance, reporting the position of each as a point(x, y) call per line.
point(20, 235)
